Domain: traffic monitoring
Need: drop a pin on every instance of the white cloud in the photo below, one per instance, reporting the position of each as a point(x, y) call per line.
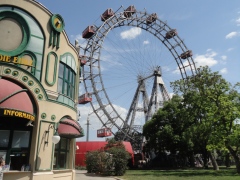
point(131, 33)
point(206, 59)
point(238, 21)
point(231, 35)
point(224, 71)
point(224, 57)
point(82, 42)
point(230, 49)
point(146, 42)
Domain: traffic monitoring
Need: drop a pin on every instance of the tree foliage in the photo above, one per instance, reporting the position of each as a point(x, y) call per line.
point(201, 117)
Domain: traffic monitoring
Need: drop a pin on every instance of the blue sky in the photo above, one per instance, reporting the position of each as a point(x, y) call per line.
point(210, 28)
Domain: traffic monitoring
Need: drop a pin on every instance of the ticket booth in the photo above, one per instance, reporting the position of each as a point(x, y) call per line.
point(17, 116)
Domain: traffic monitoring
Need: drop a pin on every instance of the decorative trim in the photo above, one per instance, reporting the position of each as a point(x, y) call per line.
point(30, 83)
point(40, 96)
point(15, 73)
point(25, 78)
point(7, 71)
point(43, 115)
point(57, 24)
point(53, 117)
point(33, 65)
point(48, 66)
point(36, 90)
point(19, 91)
point(25, 29)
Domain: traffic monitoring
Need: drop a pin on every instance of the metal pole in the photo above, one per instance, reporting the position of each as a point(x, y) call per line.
point(87, 137)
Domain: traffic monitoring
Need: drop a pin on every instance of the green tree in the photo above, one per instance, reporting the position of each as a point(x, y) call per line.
point(166, 131)
point(214, 104)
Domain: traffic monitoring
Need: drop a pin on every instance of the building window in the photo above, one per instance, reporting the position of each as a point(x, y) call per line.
point(27, 61)
point(20, 139)
point(13, 25)
point(61, 154)
point(66, 80)
point(4, 138)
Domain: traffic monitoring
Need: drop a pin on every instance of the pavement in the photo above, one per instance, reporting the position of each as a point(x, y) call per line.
point(83, 175)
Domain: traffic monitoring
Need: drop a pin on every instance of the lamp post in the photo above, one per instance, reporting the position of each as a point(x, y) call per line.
point(56, 138)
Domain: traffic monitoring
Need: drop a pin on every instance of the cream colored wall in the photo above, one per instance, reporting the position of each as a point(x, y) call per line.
point(43, 15)
point(38, 148)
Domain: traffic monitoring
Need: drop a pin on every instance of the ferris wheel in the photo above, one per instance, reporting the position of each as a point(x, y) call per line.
point(128, 63)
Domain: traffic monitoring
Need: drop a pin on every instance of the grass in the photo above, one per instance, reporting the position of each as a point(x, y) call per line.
point(189, 174)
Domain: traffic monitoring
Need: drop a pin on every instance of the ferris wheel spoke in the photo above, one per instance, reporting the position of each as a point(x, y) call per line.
point(131, 58)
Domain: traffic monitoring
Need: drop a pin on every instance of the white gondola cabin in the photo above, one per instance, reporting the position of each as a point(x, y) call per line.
point(85, 98)
point(88, 32)
point(104, 132)
point(107, 14)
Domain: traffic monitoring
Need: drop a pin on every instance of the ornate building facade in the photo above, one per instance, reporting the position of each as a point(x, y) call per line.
point(39, 74)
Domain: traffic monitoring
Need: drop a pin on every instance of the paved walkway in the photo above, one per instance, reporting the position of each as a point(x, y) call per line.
point(83, 175)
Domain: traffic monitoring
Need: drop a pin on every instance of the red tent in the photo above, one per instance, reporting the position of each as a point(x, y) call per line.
point(84, 147)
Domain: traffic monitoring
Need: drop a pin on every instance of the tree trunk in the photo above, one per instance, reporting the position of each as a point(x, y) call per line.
point(227, 160)
point(205, 159)
point(236, 158)
point(192, 160)
point(214, 162)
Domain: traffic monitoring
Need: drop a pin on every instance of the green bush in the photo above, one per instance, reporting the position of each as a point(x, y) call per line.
point(98, 162)
point(91, 161)
point(112, 160)
point(119, 160)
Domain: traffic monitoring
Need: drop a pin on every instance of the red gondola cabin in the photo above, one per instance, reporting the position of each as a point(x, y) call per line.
point(104, 132)
point(88, 32)
point(85, 98)
point(129, 11)
point(151, 18)
point(171, 33)
point(83, 60)
point(107, 14)
point(186, 54)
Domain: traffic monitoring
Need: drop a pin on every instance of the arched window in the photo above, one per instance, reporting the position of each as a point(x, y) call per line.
point(67, 75)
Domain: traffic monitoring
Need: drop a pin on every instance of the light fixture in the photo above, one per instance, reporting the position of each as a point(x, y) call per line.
point(56, 138)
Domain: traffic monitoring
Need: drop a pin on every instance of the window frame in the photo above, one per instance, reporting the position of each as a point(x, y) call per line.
point(58, 150)
point(68, 78)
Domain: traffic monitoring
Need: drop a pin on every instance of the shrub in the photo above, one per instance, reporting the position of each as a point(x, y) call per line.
point(119, 160)
point(91, 161)
point(112, 160)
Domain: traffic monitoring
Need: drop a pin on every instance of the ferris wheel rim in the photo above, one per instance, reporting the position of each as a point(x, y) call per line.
point(93, 52)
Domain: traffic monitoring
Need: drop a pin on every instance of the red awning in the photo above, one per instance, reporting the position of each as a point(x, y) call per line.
point(69, 128)
point(14, 101)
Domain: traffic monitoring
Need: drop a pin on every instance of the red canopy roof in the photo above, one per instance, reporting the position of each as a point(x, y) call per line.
point(14, 97)
point(69, 128)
